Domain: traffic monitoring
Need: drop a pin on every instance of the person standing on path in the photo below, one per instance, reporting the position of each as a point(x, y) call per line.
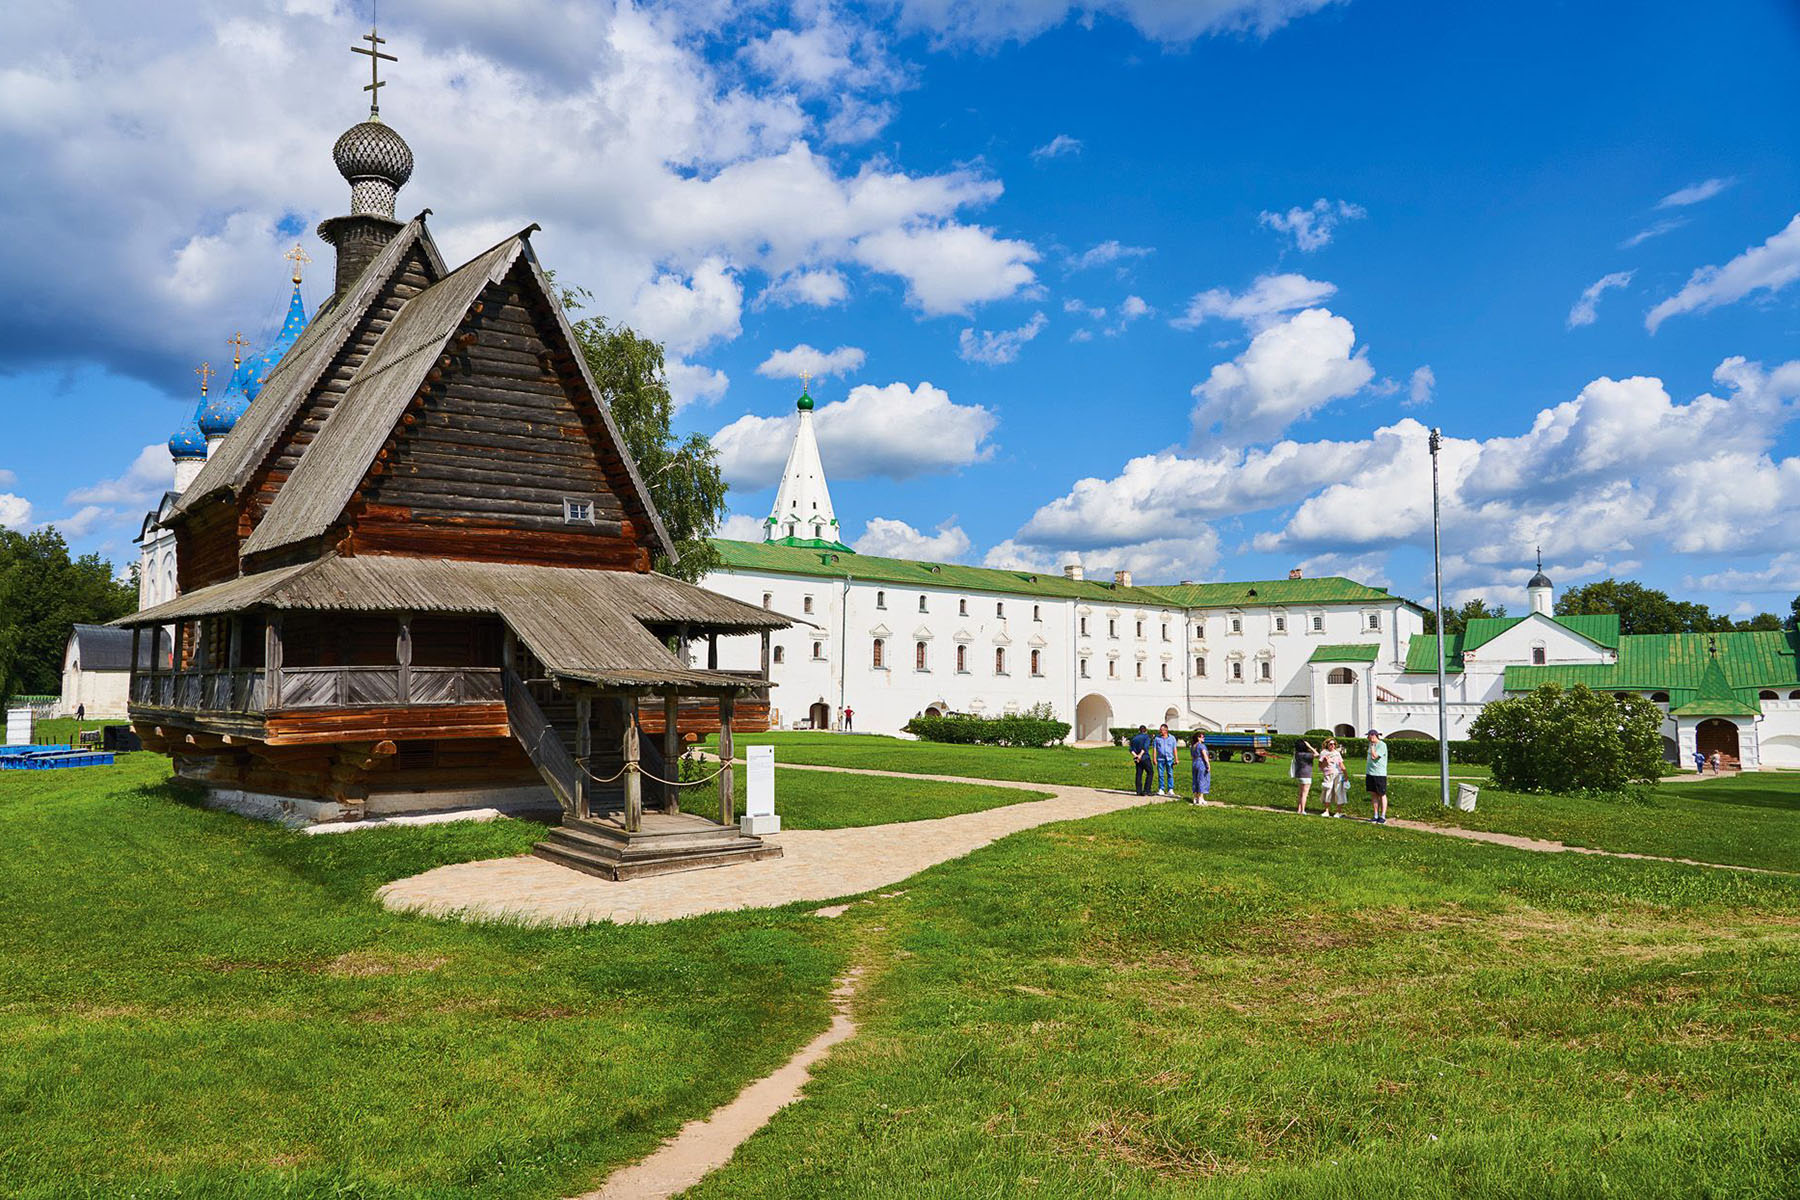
point(1699, 763)
point(1377, 777)
point(848, 713)
point(1201, 761)
point(1167, 750)
point(1302, 771)
point(1337, 784)
point(1143, 772)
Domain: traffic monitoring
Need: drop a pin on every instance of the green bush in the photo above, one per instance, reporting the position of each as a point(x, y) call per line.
point(1578, 740)
point(1026, 729)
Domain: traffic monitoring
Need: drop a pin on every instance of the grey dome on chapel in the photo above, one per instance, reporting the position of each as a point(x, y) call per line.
point(372, 150)
point(1539, 580)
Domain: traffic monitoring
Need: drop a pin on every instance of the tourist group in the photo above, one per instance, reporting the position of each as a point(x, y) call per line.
point(1155, 757)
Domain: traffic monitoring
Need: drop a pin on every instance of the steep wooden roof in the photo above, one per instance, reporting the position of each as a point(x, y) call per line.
point(298, 373)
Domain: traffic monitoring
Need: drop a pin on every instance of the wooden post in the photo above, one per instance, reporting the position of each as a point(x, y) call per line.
point(403, 649)
point(712, 652)
point(634, 783)
point(132, 695)
point(672, 751)
point(765, 658)
point(726, 798)
point(682, 643)
point(584, 748)
point(272, 662)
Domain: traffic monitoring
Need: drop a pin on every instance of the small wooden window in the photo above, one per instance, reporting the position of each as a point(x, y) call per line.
point(999, 660)
point(1538, 656)
point(918, 656)
point(1037, 662)
point(1237, 670)
point(578, 512)
point(878, 654)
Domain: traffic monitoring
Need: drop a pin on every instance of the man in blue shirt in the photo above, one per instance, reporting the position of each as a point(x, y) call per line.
point(1377, 777)
point(1163, 745)
point(1140, 756)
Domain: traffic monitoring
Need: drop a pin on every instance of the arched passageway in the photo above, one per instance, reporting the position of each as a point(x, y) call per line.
point(1093, 718)
point(1717, 734)
point(819, 716)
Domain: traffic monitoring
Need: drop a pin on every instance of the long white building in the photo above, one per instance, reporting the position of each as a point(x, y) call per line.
point(888, 639)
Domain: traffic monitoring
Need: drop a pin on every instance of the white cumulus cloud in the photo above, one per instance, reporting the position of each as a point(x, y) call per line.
point(1287, 372)
point(1421, 387)
point(950, 266)
point(788, 364)
point(1585, 310)
point(1312, 228)
point(890, 538)
point(1266, 300)
point(1768, 267)
point(894, 432)
point(1106, 253)
point(996, 347)
point(151, 474)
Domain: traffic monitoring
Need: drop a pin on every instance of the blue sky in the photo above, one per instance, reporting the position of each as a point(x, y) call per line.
point(1560, 231)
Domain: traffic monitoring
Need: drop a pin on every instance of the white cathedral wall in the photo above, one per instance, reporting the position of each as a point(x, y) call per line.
point(1125, 682)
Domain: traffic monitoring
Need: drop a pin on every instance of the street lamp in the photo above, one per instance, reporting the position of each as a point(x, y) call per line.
point(1437, 571)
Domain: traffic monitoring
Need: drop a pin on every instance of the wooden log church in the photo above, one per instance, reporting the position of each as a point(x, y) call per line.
point(416, 574)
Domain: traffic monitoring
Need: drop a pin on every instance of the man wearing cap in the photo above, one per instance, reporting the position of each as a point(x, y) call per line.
point(1377, 776)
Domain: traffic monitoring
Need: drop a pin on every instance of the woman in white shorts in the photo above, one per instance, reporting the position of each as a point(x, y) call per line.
point(1333, 781)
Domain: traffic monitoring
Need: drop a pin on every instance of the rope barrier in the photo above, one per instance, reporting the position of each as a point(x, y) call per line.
point(638, 768)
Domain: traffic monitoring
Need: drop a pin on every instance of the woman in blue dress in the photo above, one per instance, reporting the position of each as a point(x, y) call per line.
point(1201, 761)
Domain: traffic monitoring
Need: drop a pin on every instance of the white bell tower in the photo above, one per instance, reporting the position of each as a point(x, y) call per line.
point(1538, 590)
point(802, 515)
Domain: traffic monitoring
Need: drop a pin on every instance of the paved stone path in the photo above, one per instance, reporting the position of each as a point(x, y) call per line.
point(816, 864)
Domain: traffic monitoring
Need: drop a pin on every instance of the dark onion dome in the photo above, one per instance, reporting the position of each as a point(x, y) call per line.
point(372, 150)
point(805, 403)
point(1540, 580)
point(188, 441)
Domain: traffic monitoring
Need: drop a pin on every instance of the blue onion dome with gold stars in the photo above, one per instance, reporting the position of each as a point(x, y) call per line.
point(188, 441)
point(219, 413)
point(257, 369)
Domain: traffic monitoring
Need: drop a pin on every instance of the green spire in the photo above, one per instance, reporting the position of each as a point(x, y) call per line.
point(1715, 696)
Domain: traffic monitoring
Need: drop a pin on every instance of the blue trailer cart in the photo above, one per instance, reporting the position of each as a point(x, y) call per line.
point(30, 749)
point(1253, 747)
point(53, 760)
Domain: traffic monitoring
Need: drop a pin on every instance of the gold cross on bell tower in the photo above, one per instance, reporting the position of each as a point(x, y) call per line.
point(806, 383)
point(237, 343)
point(205, 372)
point(376, 58)
point(299, 257)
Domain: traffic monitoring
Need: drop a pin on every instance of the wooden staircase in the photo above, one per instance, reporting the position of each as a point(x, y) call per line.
point(598, 843)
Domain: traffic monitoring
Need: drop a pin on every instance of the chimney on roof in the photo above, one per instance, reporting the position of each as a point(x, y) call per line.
point(1072, 571)
point(1294, 574)
point(1122, 578)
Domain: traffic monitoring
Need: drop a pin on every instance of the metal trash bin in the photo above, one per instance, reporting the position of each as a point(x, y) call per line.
point(1465, 796)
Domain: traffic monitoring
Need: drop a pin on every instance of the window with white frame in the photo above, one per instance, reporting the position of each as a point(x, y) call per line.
point(1112, 627)
point(1318, 622)
point(1083, 668)
point(1112, 669)
point(779, 655)
point(1374, 621)
point(919, 656)
point(1140, 670)
point(818, 651)
point(1037, 662)
point(1199, 631)
point(1279, 622)
point(1200, 666)
point(1140, 629)
point(768, 599)
point(1037, 612)
point(878, 654)
point(922, 605)
point(1539, 655)
point(962, 607)
point(1000, 609)
point(578, 512)
point(962, 660)
point(806, 604)
point(1235, 623)
point(1084, 627)
point(1165, 672)
point(999, 660)
point(880, 599)
point(1165, 631)
point(1265, 670)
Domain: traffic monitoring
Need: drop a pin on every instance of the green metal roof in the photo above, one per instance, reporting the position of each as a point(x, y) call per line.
point(1421, 652)
point(1680, 664)
point(825, 563)
point(1714, 697)
point(1364, 652)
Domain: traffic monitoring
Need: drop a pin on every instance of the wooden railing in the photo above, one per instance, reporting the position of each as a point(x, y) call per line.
point(542, 743)
point(254, 690)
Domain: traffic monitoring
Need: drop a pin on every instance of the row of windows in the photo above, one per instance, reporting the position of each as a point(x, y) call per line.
point(1371, 621)
point(922, 657)
point(962, 606)
point(1279, 623)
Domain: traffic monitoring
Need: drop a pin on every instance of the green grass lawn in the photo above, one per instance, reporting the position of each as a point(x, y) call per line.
point(1172, 1002)
point(198, 1005)
point(1753, 820)
point(822, 800)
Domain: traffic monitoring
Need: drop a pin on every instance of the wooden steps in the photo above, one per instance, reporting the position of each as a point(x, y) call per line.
point(667, 843)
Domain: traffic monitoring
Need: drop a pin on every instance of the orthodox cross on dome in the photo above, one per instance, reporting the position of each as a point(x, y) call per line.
point(205, 372)
point(237, 343)
point(376, 58)
point(299, 257)
point(806, 381)
point(1540, 552)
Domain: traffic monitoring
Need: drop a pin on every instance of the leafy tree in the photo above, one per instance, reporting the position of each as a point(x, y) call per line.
point(1641, 609)
point(1761, 621)
point(1793, 621)
point(1457, 619)
point(1552, 740)
point(683, 475)
point(42, 594)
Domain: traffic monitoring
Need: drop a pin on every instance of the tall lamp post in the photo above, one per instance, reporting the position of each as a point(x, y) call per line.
point(1437, 571)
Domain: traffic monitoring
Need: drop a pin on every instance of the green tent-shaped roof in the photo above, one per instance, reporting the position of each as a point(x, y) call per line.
point(1715, 698)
